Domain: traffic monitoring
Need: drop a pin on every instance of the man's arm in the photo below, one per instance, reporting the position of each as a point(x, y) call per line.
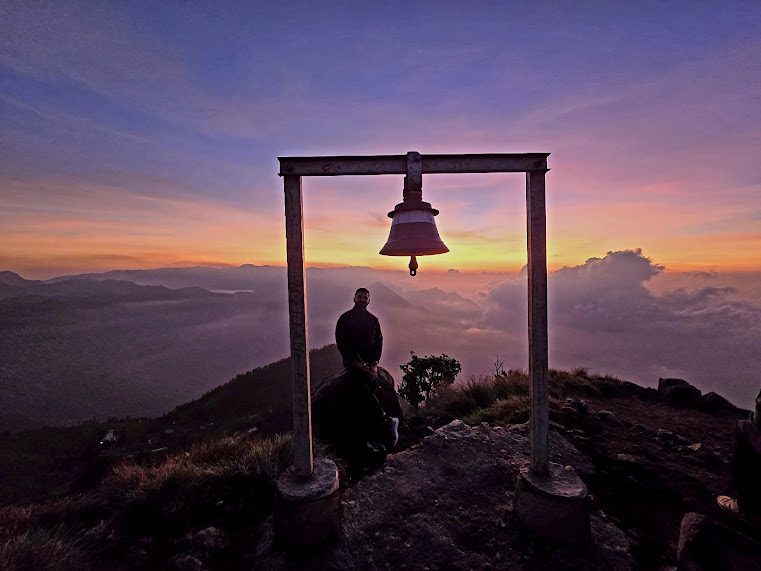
point(341, 341)
point(377, 344)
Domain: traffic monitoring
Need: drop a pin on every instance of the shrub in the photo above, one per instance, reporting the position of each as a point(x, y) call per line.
point(422, 375)
point(455, 401)
point(514, 382)
point(480, 391)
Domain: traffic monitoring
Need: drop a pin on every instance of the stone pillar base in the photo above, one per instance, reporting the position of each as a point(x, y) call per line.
point(554, 506)
point(308, 510)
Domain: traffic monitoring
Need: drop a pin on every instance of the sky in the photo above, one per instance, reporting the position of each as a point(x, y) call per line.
point(146, 134)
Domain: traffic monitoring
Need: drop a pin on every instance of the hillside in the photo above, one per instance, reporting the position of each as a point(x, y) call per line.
point(37, 465)
point(201, 495)
point(263, 396)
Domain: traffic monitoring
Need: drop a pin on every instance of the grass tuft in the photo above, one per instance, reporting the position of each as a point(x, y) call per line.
point(42, 549)
point(504, 398)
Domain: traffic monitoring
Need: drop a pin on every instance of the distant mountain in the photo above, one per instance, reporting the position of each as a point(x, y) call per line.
point(11, 278)
point(454, 303)
point(241, 278)
point(382, 295)
point(139, 342)
point(12, 285)
point(80, 349)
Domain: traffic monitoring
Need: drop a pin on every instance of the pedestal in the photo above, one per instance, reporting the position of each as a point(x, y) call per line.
point(308, 510)
point(554, 506)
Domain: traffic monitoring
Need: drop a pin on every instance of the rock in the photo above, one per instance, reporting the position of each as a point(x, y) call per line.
point(456, 429)
point(685, 395)
point(695, 447)
point(639, 428)
point(713, 401)
point(210, 539)
point(668, 436)
point(336, 416)
point(577, 405)
point(610, 416)
point(707, 544)
point(666, 384)
point(185, 562)
point(679, 391)
point(628, 458)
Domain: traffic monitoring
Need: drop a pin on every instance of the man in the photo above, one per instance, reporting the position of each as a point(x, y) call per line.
point(360, 342)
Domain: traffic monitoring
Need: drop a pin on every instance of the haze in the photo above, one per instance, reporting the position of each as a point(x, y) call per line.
point(99, 347)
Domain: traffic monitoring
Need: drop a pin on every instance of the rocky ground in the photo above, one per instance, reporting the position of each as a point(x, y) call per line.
point(442, 500)
point(446, 502)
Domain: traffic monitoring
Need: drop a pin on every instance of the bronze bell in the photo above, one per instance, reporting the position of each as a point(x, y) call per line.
point(413, 229)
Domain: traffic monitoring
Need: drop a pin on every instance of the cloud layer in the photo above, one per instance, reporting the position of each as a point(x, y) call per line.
point(603, 315)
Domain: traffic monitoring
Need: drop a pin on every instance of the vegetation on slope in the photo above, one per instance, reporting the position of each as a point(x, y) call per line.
point(210, 464)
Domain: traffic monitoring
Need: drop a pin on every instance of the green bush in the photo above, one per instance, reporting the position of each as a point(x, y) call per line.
point(423, 375)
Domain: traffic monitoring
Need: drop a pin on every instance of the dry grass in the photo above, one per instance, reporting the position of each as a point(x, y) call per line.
point(226, 481)
point(504, 398)
point(43, 549)
point(477, 393)
point(511, 410)
point(261, 458)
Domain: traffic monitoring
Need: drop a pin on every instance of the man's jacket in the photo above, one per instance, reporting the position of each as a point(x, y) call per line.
point(358, 336)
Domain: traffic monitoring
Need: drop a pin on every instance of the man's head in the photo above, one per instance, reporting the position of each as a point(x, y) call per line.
point(361, 298)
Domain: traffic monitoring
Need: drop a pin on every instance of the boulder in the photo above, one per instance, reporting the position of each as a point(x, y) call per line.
point(713, 401)
point(610, 417)
point(684, 395)
point(679, 391)
point(338, 418)
point(666, 384)
point(707, 544)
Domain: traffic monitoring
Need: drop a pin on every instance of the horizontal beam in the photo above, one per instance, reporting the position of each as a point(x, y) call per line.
point(397, 164)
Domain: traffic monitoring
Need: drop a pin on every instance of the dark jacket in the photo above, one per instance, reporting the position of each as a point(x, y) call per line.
point(358, 336)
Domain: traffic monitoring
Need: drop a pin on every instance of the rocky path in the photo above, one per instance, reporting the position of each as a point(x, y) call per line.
point(447, 504)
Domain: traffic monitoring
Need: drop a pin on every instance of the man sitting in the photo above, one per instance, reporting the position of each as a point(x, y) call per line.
point(360, 342)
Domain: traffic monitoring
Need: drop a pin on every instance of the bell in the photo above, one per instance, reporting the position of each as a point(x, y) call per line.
point(413, 229)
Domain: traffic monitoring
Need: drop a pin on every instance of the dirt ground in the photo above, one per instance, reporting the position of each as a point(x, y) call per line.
point(658, 463)
point(445, 501)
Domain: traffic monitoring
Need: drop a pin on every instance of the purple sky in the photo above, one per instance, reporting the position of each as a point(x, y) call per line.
point(142, 134)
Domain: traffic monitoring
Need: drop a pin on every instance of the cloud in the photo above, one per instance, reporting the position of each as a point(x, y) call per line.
point(602, 315)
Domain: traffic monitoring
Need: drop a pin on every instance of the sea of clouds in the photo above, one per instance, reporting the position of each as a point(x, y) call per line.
point(603, 315)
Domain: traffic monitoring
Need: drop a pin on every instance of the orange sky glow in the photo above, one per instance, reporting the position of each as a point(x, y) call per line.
point(650, 114)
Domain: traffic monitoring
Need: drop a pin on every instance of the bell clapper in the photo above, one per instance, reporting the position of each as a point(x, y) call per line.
point(413, 266)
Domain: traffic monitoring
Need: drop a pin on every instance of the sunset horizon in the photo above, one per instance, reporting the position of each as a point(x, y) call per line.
point(139, 136)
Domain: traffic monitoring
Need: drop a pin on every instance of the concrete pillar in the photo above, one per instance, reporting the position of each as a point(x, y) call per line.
point(297, 314)
point(538, 361)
